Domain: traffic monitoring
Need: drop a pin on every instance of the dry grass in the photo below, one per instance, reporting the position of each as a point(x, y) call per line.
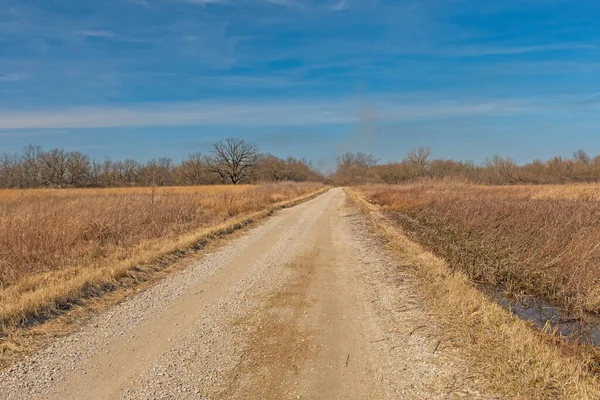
point(514, 360)
point(538, 240)
point(16, 194)
point(58, 246)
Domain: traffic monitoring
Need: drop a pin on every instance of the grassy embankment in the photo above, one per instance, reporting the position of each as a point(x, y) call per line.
point(58, 247)
point(541, 241)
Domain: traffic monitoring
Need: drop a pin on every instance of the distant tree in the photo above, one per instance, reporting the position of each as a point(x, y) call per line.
point(128, 172)
point(31, 166)
point(235, 161)
point(418, 160)
point(194, 170)
point(158, 172)
point(270, 168)
point(301, 170)
point(79, 166)
point(582, 157)
point(353, 168)
point(232, 159)
point(109, 175)
point(393, 173)
point(10, 170)
point(501, 170)
point(55, 165)
point(360, 160)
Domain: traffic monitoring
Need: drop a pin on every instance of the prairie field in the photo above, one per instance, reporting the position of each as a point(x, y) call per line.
point(536, 240)
point(56, 245)
point(16, 194)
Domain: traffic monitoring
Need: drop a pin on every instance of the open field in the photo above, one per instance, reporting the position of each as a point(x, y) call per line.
point(16, 194)
point(59, 245)
point(538, 240)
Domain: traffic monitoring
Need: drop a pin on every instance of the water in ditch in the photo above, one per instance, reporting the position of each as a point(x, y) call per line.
point(583, 329)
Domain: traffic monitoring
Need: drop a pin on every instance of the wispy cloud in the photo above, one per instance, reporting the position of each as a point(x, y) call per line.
point(587, 101)
point(206, 2)
point(143, 3)
point(474, 51)
point(100, 34)
point(287, 3)
point(261, 113)
point(247, 82)
point(339, 6)
point(33, 133)
point(11, 77)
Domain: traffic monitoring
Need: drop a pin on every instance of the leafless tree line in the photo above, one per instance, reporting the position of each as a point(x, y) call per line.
point(357, 168)
point(229, 161)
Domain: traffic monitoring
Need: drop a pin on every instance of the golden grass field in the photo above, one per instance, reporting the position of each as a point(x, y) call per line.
point(57, 246)
point(537, 240)
point(15, 194)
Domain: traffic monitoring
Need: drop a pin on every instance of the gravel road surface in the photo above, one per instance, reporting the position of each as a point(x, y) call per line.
point(307, 305)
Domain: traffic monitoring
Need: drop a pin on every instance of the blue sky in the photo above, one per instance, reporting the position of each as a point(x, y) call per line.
point(146, 78)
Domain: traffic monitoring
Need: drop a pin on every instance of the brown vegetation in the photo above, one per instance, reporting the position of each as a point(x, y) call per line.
point(514, 360)
point(542, 241)
point(59, 245)
point(229, 161)
point(362, 168)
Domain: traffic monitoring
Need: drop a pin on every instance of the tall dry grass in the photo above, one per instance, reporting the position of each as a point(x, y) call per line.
point(56, 245)
point(506, 356)
point(538, 240)
point(16, 194)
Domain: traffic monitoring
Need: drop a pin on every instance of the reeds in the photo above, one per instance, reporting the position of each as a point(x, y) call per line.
point(538, 240)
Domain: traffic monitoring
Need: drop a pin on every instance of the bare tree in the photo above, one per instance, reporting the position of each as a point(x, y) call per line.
point(504, 170)
point(129, 171)
point(193, 170)
point(79, 169)
point(55, 164)
point(360, 160)
point(109, 174)
point(95, 174)
point(157, 172)
point(418, 160)
point(10, 170)
point(270, 168)
point(31, 165)
point(232, 159)
point(354, 168)
point(582, 157)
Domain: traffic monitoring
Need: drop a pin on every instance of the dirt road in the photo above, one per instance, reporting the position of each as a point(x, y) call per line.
point(307, 305)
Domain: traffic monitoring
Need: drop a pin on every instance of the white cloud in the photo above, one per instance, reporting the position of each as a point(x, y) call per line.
point(296, 4)
point(261, 113)
point(247, 82)
point(339, 6)
point(288, 3)
point(143, 3)
point(100, 34)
